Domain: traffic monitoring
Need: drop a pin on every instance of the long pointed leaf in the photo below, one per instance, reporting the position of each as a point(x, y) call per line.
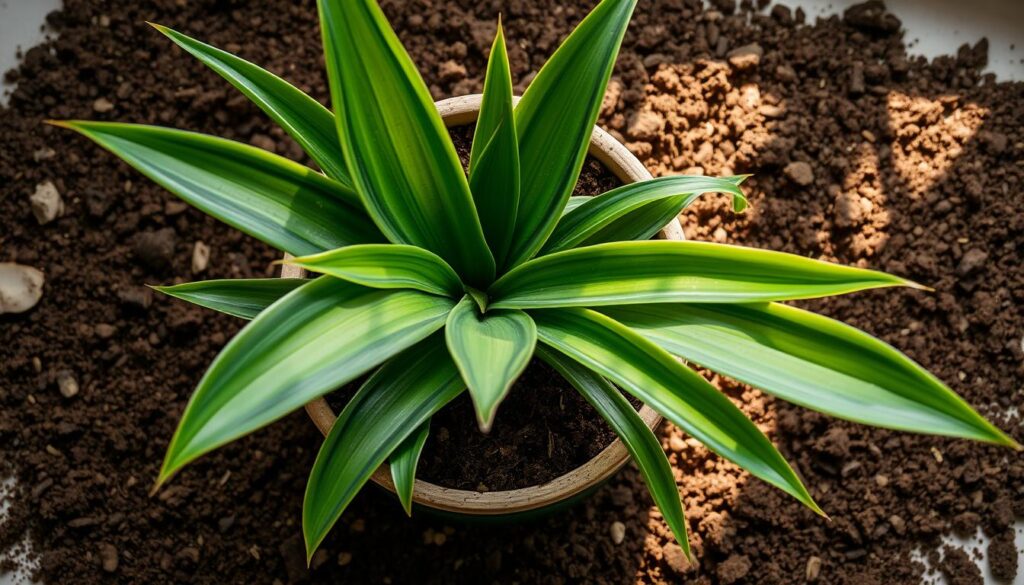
point(490, 349)
point(404, 461)
point(573, 203)
point(318, 337)
point(812, 361)
point(494, 160)
point(636, 211)
point(386, 411)
point(274, 200)
point(240, 297)
point(628, 273)
point(399, 155)
point(386, 266)
point(681, 395)
point(310, 124)
point(643, 446)
point(556, 117)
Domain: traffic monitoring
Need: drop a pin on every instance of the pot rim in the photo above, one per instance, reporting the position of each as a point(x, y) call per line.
point(459, 111)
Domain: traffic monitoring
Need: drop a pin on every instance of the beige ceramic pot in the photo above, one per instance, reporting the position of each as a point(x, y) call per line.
point(561, 490)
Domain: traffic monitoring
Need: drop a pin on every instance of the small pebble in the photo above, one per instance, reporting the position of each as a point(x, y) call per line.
point(156, 248)
point(676, 443)
point(108, 557)
point(800, 173)
point(344, 558)
point(972, 260)
point(45, 153)
point(102, 105)
point(746, 57)
point(200, 257)
point(813, 568)
point(618, 532)
point(47, 204)
point(67, 384)
point(21, 287)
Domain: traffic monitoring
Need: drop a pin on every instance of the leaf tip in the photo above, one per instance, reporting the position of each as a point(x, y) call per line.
point(817, 509)
point(485, 425)
point(162, 478)
point(915, 285)
point(61, 124)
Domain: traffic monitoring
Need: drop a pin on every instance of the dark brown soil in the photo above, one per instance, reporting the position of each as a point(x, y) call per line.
point(860, 154)
point(543, 430)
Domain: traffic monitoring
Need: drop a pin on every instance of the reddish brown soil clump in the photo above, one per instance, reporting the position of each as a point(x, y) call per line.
point(860, 154)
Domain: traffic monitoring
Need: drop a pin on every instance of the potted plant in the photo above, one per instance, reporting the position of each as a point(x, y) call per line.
point(435, 283)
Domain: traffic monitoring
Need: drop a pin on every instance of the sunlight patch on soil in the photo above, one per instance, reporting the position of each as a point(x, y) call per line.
point(930, 135)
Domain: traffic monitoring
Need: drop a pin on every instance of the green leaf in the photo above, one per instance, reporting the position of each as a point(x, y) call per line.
point(387, 410)
point(574, 202)
point(555, 119)
point(240, 297)
point(400, 157)
point(643, 446)
point(274, 200)
point(310, 124)
point(490, 349)
point(636, 211)
point(629, 273)
point(494, 160)
point(317, 338)
point(386, 266)
point(812, 361)
point(646, 371)
point(404, 460)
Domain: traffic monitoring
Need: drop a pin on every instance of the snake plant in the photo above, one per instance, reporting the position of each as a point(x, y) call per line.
point(434, 282)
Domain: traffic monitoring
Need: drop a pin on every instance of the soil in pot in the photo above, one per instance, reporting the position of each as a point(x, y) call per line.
point(918, 171)
point(544, 428)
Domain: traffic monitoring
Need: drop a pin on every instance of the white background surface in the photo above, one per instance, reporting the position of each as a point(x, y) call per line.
point(933, 27)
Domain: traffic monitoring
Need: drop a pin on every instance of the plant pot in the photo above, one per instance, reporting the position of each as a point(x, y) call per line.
point(562, 490)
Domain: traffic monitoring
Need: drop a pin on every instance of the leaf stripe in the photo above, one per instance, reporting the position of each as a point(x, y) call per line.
point(386, 266)
point(239, 297)
point(310, 124)
point(813, 361)
point(635, 211)
point(648, 372)
point(404, 461)
point(661, 271)
point(279, 202)
point(318, 337)
point(388, 409)
point(555, 118)
point(641, 443)
point(399, 155)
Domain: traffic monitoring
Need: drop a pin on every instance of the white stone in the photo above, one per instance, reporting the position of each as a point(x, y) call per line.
point(200, 257)
point(21, 287)
point(47, 204)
